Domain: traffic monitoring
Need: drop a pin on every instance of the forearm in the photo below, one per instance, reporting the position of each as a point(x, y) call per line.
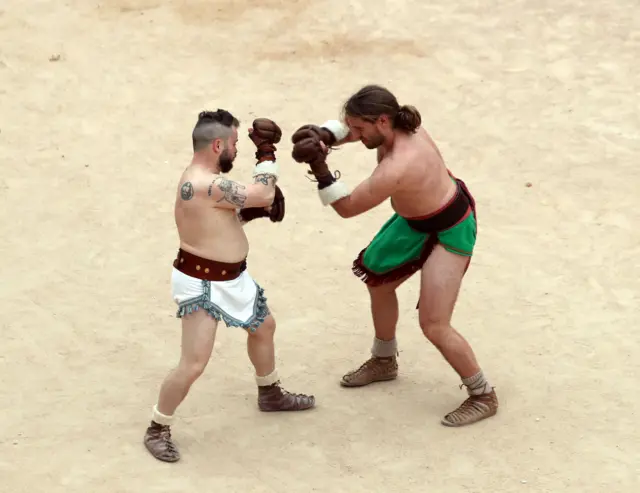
point(230, 194)
point(311, 145)
point(265, 177)
point(336, 193)
point(370, 193)
point(273, 205)
point(341, 206)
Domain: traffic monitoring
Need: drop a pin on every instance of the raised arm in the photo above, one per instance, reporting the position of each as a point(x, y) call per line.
point(332, 132)
point(371, 192)
point(262, 198)
point(384, 181)
point(230, 194)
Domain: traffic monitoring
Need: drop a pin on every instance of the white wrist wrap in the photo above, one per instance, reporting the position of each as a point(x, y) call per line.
point(266, 167)
point(333, 192)
point(337, 128)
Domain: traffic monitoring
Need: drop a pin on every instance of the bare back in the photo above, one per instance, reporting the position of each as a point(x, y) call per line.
point(425, 185)
point(204, 229)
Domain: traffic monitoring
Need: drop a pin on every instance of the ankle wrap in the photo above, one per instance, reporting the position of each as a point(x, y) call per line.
point(384, 349)
point(269, 379)
point(161, 419)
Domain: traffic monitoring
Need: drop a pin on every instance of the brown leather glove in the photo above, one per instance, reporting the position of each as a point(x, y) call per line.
point(277, 208)
point(251, 213)
point(310, 150)
point(311, 130)
point(264, 134)
point(276, 214)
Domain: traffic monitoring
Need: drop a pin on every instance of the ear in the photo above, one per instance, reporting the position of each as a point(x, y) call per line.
point(216, 145)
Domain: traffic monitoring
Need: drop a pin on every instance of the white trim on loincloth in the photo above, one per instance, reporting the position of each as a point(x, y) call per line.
point(237, 302)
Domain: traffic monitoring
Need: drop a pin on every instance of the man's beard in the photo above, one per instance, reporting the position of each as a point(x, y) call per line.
point(374, 142)
point(226, 161)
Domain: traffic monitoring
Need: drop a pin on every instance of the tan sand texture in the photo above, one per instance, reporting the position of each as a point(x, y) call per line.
point(97, 102)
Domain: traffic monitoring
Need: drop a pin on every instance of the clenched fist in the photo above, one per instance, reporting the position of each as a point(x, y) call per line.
point(264, 134)
point(311, 130)
point(313, 151)
point(309, 150)
point(265, 130)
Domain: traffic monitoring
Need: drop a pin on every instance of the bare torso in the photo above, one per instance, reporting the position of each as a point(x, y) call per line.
point(425, 184)
point(205, 230)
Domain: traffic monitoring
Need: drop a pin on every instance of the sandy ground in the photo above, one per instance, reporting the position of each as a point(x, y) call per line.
point(91, 146)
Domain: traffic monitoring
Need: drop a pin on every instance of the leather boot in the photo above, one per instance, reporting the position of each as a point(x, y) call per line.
point(275, 398)
point(158, 441)
point(373, 370)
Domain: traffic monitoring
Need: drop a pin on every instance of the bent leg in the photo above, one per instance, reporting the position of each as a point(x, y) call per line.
point(384, 309)
point(198, 336)
point(441, 280)
point(261, 348)
point(383, 365)
point(261, 351)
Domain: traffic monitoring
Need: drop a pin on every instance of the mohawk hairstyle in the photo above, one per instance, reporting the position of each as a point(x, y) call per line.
point(212, 125)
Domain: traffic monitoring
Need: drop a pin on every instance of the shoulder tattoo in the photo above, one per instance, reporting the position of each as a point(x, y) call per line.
point(232, 191)
point(186, 191)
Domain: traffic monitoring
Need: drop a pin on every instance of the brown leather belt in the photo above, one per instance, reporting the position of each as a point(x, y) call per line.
point(447, 217)
point(206, 269)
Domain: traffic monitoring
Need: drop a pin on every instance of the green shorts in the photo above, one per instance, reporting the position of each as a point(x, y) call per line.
point(402, 245)
point(461, 238)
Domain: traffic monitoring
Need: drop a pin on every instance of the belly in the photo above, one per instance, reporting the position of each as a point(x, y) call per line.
point(222, 240)
point(424, 201)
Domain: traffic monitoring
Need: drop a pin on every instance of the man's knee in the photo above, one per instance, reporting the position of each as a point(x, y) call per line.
point(382, 290)
point(193, 368)
point(266, 330)
point(436, 330)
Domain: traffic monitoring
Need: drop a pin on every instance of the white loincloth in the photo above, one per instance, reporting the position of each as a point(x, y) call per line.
point(238, 302)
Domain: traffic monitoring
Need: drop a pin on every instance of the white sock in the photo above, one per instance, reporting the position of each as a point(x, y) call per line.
point(161, 419)
point(384, 349)
point(477, 384)
point(267, 380)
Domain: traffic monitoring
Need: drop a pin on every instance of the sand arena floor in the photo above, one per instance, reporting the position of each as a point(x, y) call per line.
point(97, 102)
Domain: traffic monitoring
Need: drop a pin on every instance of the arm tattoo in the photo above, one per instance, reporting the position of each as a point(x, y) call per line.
point(186, 191)
point(266, 179)
point(233, 192)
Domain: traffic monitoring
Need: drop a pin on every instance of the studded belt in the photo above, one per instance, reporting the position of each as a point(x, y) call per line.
point(206, 269)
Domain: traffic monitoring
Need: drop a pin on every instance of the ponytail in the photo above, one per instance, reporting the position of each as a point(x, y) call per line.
point(407, 118)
